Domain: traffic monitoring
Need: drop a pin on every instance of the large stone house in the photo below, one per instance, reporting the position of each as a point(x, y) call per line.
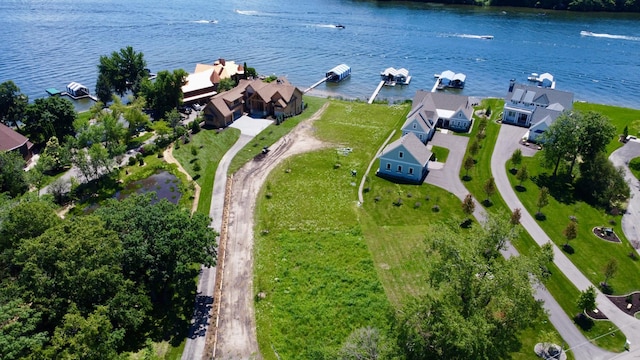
point(278, 99)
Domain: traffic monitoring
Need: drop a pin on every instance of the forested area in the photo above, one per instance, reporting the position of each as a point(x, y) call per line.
point(571, 5)
point(98, 285)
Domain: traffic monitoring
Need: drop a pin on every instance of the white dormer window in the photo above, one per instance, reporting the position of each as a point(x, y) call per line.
point(400, 154)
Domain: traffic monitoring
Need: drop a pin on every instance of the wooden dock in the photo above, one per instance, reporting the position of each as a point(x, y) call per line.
point(375, 93)
point(314, 85)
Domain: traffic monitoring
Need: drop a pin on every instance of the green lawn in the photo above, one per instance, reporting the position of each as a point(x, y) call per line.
point(591, 253)
point(634, 166)
point(210, 146)
point(441, 153)
point(619, 118)
point(274, 132)
point(313, 264)
point(325, 267)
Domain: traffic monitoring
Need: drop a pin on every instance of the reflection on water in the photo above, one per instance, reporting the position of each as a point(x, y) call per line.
point(164, 184)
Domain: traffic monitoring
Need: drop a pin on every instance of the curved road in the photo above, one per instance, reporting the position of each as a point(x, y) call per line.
point(506, 143)
point(631, 218)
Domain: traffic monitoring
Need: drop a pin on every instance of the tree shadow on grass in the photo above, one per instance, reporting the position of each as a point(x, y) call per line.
point(606, 288)
point(466, 224)
point(568, 249)
point(487, 203)
point(560, 187)
point(467, 178)
point(513, 171)
point(540, 216)
point(584, 322)
point(520, 188)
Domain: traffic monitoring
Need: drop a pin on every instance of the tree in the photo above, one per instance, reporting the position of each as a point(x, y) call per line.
point(601, 183)
point(625, 132)
point(137, 120)
point(165, 92)
point(160, 242)
point(468, 206)
point(587, 299)
point(468, 164)
point(226, 84)
point(515, 217)
point(516, 158)
point(104, 89)
point(543, 199)
point(18, 334)
point(115, 134)
point(12, 177)
point(522, 175)
point(47, 117)
point(596, 131)
point(250, 72)
point(489, 188)
point(121, 72)
point(366, 344)
point(57, 155)
point(561, 140)
point(610, 270)
point(570, 232)
point(474, 148)
point(476, 306)
point(12, 104)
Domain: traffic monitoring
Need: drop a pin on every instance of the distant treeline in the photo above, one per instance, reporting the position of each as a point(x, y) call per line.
point(572, 5)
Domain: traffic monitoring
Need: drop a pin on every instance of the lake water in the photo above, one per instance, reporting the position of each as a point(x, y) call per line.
point(49, 43)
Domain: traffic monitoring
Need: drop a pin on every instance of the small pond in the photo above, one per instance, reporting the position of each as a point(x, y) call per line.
point(164, 184)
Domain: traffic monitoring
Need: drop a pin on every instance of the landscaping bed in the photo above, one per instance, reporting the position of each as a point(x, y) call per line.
point(629, 304)
point(606, 234)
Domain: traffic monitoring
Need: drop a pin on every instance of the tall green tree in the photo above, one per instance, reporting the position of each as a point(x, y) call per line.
point(123, 71)
point(595, 132)
point(13, 104)
point(468, 164)
point(468, 206)
point(570, 232)
point(522, 175)
point(19, 337)
point(561, 141)
point(587, 299)
point(543, 199)
point(47, 117)
point(489, 188)
point(161, 242)
point(601, 183)
point(12, 176)
point(475, 307)
point(610, 269)
point(516, 158)
point(165, 92)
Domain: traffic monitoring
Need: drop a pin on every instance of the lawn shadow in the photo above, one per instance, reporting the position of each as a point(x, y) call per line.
point(568, 249)
point(487, 203)
point(583, 321)
point(606, 288)
point(540, 216)
point(560, 186)
point(513, 171)
point(466, 224)
point(520, 188)
point(467, 178)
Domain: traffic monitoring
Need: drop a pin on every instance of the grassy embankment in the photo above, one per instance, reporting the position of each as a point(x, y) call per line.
point(564, 292)
point(317, 254)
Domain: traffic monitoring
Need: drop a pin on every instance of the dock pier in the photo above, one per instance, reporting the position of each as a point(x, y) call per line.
point(375, 93)
point(435, 86)
point(314, 85)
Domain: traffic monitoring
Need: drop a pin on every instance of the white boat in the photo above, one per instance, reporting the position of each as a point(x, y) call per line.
point(487, 37)
point(533, 77)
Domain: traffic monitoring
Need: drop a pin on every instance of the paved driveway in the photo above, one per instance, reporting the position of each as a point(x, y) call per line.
point(631, 218)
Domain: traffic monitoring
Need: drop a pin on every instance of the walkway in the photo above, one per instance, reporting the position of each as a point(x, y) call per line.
point(507, 142)
point(196, 341)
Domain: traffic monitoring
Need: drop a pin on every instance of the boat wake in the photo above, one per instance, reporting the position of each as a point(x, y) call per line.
point(252, 13)
point(205, 21)
point(470, 36)
point(609, 36)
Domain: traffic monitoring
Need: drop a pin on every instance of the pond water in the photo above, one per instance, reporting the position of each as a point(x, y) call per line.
point(164, 184)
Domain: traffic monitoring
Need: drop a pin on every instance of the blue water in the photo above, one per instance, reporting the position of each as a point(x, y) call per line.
point(49, 43)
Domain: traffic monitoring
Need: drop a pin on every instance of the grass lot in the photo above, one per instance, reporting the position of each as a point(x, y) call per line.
point(274, 132)
point(441, 153)
point(325, 267)
point(619, 118)
point(591, 253)
point(210, 147)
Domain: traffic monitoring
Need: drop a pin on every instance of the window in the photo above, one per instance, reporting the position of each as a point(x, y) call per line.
point(399, 168)
point(410, 171)
point(388, 166)
point(400, 154)
point(415, 125)
point(512, 113)
point(420, 136)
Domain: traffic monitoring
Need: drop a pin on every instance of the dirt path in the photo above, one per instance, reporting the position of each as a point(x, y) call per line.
point(237, 325)
point(168, 157)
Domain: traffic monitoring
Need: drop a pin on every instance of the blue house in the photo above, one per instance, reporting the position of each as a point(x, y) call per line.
point(431, 110)
point(420, 122)
point(405, 159)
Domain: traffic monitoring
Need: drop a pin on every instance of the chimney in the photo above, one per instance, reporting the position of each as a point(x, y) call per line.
point(512, 83)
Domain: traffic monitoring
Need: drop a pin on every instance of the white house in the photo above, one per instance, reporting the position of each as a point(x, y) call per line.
point(523, 101)
point(405, 159)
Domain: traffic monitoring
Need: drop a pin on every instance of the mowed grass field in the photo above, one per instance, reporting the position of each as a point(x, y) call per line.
point(326, 265)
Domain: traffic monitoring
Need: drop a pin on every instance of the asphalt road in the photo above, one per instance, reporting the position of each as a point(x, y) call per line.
point(631, 218)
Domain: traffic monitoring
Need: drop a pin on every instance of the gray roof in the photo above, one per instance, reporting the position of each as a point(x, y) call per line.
point(439, 100)
point(544, 115)
point(423, 117)
point(540, 96)
point(412, 145)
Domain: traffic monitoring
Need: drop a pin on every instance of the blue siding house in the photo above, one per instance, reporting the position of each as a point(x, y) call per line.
point(405, 159)
point(523, 101)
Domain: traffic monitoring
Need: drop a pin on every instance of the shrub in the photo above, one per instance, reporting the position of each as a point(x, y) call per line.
point(435, 208)
point(417, 204)
point(195, 126)
point(398, 202)
point(196, 166)
point(194, 151)
point(132, 161)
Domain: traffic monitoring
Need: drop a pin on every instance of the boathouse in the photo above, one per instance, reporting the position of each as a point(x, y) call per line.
point(449, 79)
point(338, 73)
point(392, 76)
point(76, 90)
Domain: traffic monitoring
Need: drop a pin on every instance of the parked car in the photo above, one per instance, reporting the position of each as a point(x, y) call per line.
point(184, 109)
